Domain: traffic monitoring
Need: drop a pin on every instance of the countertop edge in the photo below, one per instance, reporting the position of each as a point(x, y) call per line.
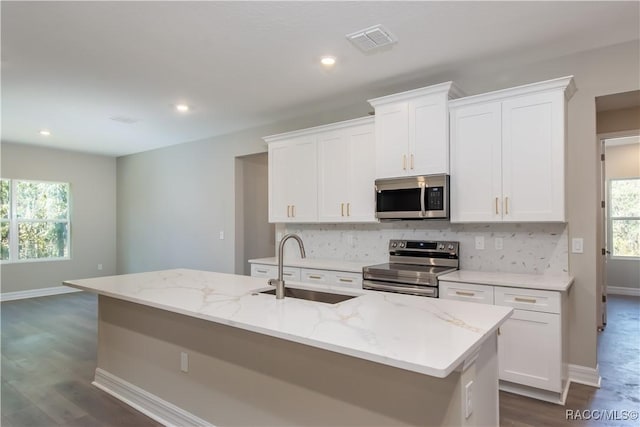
point(554, 282)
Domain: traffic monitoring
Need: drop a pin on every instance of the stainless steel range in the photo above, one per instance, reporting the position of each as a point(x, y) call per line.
point(413, 267)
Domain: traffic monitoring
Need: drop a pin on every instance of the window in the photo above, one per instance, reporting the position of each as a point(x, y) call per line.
point(624, 217)
point(34, 220)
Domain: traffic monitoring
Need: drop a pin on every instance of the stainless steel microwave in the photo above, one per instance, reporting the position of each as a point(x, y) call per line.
point(413, 197)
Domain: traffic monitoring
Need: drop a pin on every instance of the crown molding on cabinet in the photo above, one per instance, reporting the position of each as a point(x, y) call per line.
point(450, 88)
point(314, 130)
point(566, 83)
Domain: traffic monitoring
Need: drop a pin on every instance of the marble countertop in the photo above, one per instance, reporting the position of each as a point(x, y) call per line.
point(425, 335)
point(321, 264)
point(548, 282)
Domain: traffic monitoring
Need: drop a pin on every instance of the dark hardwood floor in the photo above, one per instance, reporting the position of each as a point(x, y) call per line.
point(49, 358)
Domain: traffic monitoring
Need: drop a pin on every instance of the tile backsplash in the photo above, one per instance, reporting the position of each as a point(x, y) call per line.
point(527, 248)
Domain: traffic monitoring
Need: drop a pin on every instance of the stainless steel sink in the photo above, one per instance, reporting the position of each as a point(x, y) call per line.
point(310, 295)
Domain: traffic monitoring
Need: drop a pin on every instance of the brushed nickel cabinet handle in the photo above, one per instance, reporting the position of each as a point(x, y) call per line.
point(404, 162)
point(287, 274)
point(346, 280)
point(348, 209)
point(262, 271)
point(412, 162)
point(528, 300)
point(465, 294)
point(506, 206)
point(313, 276)
point(497, 213)
point(342, 209)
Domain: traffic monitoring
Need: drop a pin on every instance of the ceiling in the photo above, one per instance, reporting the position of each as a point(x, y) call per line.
point(71, 67)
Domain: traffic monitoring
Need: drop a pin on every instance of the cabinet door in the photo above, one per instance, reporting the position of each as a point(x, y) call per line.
point(361, 201)
point(293, 181)
point(530, 350)
point(346, 161)
point(428, 135)
point(475, 181)
point(333, 180)
point(533, 157)
point(392, 132)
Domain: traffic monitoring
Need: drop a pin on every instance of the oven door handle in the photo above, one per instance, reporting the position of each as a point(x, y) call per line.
point(422, 204)
point(428, 291)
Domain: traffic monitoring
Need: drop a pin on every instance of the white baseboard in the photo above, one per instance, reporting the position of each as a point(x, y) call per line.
point(536, 393)
point(585, 375)
point(149, 404)
point(35, 293)
point(621, 290)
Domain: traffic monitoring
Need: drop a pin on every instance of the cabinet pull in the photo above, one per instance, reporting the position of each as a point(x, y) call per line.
point(313, 276)
point(288, 211)
point(465, 294)
point(529, 300)
point(412, 162)
point(262, 271)
point(404, 162)
point(346, 280)
point(348, 209)
point(498, 331)
point(497, 213)
point(293, 211)
point(287, 274)
point(506, 206)
point(342, 209)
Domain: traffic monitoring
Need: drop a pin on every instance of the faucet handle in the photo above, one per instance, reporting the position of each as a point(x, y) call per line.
point(274, 282)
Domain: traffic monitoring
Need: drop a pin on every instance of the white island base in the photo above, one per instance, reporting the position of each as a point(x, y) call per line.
point(238, 377)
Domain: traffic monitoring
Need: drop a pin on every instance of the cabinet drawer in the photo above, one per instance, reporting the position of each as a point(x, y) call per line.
point(482, 294)
point(309, 275)
point(350, 280)
point(271, 272)
point(528, 299)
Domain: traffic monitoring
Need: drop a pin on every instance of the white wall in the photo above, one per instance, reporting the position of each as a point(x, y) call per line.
point(93, 214)
point(173, 202)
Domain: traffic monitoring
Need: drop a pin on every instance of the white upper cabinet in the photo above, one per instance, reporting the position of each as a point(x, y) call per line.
point(346, 173)
point(293, 183)
point(508, 154)
point(323, 174)
point(412, 131)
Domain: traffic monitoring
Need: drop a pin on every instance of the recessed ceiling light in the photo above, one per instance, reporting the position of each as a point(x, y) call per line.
point(183, 108)
point(45, 132)
point(328, 61)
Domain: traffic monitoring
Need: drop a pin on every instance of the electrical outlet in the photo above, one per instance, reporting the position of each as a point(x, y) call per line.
point(468, 399)
point(480, 242)
point(184, 361)
point(222, 235)
point(498, 243)
point(99, 266)
point(577, 245)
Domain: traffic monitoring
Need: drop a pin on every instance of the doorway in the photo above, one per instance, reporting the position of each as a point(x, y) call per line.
point(618, 128)
point(255, 237)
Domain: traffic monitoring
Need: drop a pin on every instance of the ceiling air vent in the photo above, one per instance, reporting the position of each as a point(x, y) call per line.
point(371, 38)
point(124, 119)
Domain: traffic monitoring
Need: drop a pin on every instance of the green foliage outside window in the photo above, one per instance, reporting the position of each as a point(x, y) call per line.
point(624, 214)
point(37, 213)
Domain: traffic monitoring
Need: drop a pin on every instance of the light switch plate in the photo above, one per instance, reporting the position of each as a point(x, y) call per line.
point(577, 245)
point(498, 243)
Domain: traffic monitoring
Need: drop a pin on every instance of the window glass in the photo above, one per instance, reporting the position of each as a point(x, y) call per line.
point(624, 217)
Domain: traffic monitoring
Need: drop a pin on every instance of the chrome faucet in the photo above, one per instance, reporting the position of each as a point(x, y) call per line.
point(279, 282)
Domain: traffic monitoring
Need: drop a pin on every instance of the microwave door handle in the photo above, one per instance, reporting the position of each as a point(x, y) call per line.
point(422, 207)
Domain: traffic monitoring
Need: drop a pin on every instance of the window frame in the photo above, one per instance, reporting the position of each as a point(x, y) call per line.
point(14, 223)
point(611, 219)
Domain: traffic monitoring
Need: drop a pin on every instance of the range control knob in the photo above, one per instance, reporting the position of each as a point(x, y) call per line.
point(450, 247)
point(402, 245)
point(440, 246)
point(394, 244)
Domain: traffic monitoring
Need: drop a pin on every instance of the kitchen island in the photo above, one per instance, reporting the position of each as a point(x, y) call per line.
point(192, 347)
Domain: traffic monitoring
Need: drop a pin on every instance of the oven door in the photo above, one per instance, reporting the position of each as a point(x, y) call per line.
point(401, 288)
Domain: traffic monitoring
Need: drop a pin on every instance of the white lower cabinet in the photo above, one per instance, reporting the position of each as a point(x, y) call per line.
point(310, 275)
point(531, 352)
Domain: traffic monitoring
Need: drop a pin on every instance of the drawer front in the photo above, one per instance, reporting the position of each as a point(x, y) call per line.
point(309, 275)
point(482, 294)
point(271, 272)
point(349, 280)
point(262, 270)
point(528, 299)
